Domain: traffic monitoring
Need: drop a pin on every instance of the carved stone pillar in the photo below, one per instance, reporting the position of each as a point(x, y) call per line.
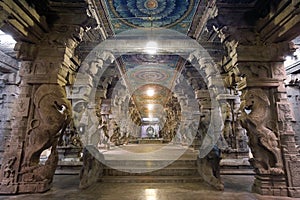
point(293, 94)
point(42, 111)
point(9, 93)
point(87, 92)
point(267, 116)
point(233, 133)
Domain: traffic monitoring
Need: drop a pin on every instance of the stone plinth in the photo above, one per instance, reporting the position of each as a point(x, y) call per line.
point(69, 160)
point(68, 152)
point(150, 141)
point(270, 185)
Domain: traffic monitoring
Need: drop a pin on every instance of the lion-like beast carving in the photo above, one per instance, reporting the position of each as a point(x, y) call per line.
point(262, 140)
point(52, 115)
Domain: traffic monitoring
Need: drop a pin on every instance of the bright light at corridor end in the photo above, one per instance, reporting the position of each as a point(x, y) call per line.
point(150, 92)
point(151, 47)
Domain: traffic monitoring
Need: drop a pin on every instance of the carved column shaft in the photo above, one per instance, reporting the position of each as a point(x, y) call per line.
point(42, 75)
point(262, 73)
point(9, 93)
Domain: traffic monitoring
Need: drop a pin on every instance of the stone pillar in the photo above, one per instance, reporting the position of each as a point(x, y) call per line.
point(267, 116)
point(233, 134)
point(9, 92)
point(293, 94)
point(42, 111)
point(211, 123)
point(86, 94)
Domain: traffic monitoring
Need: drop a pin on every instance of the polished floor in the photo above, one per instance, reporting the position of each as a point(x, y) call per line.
point(65, 187)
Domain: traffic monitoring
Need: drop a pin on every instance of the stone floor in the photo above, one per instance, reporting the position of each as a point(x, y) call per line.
point(237, 187)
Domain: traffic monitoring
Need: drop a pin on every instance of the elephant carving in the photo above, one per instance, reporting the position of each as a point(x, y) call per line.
point(52, 115)
point(262, 140)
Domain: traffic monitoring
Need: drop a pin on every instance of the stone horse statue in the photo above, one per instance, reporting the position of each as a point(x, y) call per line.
point(262, 140)
point(52, 115)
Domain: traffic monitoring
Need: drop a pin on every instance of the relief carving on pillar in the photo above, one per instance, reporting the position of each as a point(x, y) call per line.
point(262, 140)
point(26, 68)
point(52, 115)
point(251, 70)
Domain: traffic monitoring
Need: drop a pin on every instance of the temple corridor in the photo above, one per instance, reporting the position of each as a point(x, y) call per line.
point(149, 99)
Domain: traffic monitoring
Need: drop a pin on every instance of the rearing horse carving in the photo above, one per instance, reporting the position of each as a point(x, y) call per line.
point(262, 140)
point(52, 115)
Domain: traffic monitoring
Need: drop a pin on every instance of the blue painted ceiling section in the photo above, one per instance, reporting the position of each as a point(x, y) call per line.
point(128, 14)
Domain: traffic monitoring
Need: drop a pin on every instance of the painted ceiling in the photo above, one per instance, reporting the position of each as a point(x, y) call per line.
point(155, 71)
point(175, 14)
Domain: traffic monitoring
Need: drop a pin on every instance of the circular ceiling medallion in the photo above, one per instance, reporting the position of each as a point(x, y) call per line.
point(151, 4)
point(151, 13)
point(151, 75)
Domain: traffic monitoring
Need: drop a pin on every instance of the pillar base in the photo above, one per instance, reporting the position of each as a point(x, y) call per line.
point(25, 187)
point(294, 192)
point(270, 185)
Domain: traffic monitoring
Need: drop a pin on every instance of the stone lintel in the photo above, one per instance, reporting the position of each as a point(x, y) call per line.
point(23, 21)
point(262, 53)
point(281, 25)
point(227, 97)
point(202, 94)
point(258, 82)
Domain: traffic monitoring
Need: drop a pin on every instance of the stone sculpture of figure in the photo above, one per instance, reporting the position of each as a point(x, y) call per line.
point(227, 130)
point(52, 115)
point(70, 137)
point(104, 135)
point(8, 168)
point(76, 140)
point(116, 134)
point(9, 172)
point(262, 140)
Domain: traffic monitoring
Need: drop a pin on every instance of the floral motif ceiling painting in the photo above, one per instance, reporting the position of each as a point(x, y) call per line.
point(175, 14)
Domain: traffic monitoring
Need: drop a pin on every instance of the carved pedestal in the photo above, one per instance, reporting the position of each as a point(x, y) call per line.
point(68, 152)
point(37, 187)
point(294, 179)
point(270, 185)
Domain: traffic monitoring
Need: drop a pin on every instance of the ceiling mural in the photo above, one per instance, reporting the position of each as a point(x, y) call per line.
point(145, 70)
point(147, 74)
point(134, 60)
point(175, 14)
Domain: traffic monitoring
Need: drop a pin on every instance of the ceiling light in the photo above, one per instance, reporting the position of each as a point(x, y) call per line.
point(150, 92)
point(151, 47)
point(150, 106)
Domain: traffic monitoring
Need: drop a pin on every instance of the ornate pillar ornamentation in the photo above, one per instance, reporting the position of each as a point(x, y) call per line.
point(267, 116)
point(42, 109)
